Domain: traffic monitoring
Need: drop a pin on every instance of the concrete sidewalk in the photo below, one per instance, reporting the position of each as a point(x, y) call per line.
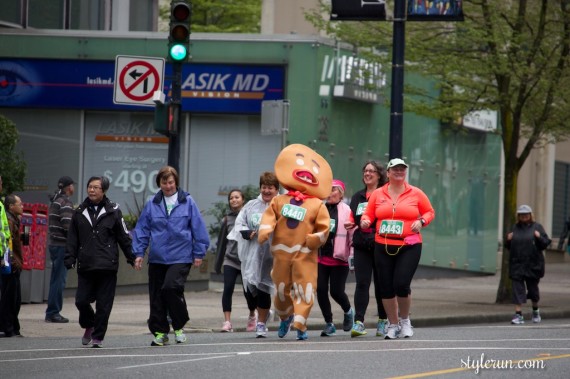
point(436, 302)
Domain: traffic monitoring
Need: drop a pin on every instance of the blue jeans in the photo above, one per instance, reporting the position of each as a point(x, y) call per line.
point(57, 280)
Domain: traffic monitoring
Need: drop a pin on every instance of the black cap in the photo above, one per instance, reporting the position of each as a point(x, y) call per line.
point(64, 181)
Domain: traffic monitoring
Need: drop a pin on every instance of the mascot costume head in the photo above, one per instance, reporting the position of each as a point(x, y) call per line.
point(301, 169)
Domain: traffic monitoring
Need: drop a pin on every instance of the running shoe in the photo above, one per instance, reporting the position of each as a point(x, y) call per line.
point(348, 320)
point(86, 339)
point(227, 327)
point(160, 339)
point(392, 331)
point(179, 336)
point(97, 343)
point(302, 336)
point(406, 328)
point(381, 327)
point(358, 329)
point(517, 319)
point(536, 316)
point(330, 330)
point(285, 326)
point(260, 330)
point(251, 323)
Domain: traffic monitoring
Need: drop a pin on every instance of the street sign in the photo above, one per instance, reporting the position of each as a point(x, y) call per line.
point(137, 78)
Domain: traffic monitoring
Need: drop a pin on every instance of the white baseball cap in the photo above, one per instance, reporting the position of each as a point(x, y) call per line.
point(396, 162)
point(524, 209)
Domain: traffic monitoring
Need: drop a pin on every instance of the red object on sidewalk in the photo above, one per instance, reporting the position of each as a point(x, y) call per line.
point(35, 218)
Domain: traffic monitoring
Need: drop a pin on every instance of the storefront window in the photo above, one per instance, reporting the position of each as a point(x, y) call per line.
point(125, 148)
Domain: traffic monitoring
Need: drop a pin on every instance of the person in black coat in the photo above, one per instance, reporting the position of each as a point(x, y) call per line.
point(97, 226)
point(526, 243)
point(373, 177)
point(565, 233)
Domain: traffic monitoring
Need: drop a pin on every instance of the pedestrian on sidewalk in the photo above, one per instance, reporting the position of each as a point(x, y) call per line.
point(97, 229)
point(400, 211)
point(4, 235)
point(172, 227)
point(227, 256)
point(333, 262)
point(59, 217)
point(526, 243)
point(256, 259)
point(11, 294)
point(565, 233)
point(373, 177)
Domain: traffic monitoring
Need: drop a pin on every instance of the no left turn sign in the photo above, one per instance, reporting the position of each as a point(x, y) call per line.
point(137, 78)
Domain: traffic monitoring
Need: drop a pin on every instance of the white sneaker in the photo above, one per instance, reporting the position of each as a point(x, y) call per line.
point(392, 331)
point(227, 327)
point(536, 316)
point(517, 319)
point(406, 328)
point(260, 330)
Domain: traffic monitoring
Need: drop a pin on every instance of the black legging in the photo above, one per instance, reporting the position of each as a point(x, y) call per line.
point(395, 272)
point(336, 276)
point(364, 271)
point(230, 277)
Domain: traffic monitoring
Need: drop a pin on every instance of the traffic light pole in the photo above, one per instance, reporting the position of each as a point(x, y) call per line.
point(397, 93)
point(174, 116)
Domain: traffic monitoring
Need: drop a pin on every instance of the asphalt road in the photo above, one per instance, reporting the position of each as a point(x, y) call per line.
point(466, 351)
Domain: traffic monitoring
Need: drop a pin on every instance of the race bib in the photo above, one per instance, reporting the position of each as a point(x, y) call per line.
point(294, 212)
point(254, 221)
point(395, 227)
point(332, 226)
point(361, 208)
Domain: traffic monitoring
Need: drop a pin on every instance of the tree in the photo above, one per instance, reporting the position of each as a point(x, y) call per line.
point(211, 16)
point(509, 56)
point(12, 163)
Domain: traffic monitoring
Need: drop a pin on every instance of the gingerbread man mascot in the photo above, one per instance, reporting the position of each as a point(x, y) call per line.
point(299, 221)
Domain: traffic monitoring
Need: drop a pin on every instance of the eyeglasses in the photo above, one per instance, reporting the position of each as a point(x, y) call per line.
point(369, 171)
point(95, 188)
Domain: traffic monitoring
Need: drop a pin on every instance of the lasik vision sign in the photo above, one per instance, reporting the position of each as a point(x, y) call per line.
point(79, 84)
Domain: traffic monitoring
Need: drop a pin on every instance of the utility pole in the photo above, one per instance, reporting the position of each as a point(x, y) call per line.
point(168, 122)
point(397, 91)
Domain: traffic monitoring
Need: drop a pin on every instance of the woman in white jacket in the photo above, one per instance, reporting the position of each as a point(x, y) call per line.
point(333, 262)
point(256, 259)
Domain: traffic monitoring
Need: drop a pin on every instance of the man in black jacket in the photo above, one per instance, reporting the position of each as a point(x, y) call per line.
point(97, 226)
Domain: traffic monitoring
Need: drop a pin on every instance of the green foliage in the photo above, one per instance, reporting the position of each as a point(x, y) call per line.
point(221, 208)
point(219, 16)
point(12, 163)
point(132, 217)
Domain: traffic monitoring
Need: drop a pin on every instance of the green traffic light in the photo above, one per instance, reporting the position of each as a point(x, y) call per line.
point(178, 52)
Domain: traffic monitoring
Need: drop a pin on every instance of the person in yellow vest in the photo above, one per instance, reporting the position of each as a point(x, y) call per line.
point(11, 290)
point(4, 231)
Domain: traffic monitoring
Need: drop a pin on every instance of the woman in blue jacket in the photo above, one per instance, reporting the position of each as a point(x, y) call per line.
point(171, 226)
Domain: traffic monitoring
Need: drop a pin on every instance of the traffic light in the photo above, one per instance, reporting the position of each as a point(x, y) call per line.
point(179, 37)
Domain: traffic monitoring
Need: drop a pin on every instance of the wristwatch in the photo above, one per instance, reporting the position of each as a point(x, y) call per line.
point(422, 221)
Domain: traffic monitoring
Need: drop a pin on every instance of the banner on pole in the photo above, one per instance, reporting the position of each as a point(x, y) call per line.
point(435, 10)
